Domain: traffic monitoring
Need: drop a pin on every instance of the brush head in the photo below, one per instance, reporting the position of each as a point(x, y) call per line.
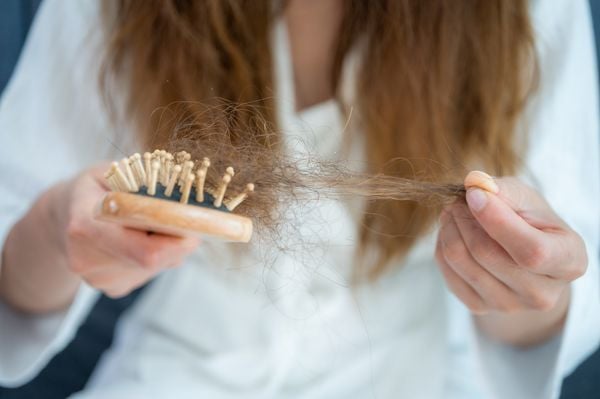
point(170, 194)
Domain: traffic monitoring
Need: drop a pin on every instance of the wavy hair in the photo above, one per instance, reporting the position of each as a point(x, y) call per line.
point(441, 87)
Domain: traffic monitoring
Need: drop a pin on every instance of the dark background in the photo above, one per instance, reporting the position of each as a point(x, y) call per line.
point(70, 369)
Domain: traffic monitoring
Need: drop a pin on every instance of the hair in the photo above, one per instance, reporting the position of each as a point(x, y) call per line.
point(440, 89)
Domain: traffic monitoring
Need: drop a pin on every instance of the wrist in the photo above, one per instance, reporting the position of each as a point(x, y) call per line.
point(35, 276)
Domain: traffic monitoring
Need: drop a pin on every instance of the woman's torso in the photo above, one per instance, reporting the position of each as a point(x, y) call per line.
point(287, 323)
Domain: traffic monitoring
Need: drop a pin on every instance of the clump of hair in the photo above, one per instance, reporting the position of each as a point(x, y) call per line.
point(438, 85)
point(282, 178)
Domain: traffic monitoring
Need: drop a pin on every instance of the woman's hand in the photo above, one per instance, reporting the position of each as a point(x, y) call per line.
point(509, 258)
point(59, 243)
point(109, 257)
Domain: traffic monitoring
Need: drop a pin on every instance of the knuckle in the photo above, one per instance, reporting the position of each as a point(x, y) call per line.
point(453, 287)
point(541, 301)
point(455, 252)
point(509, 307)
point(579, 260)
point(107, 280)
point(116, 293)
point(150, 258)
point(476, 307)
point(575, 271)
point(580, 269)
point(176, 262)
point(76, 229)
point(536, 256)
point(75, 266)
point(99, 281)
point(445, 215)
point(500, 220)
point(483, 252)
point(439, 255)
point(472, 276)
point(473, 304)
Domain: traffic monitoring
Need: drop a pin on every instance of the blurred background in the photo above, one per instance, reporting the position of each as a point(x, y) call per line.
point(69, 370)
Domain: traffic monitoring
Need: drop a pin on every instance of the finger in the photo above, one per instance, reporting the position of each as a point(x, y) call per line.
point(144, 249)
point(88, 255)
point(484, 250)
point(117, 276)
point(152, 251)
point(526, 245)
point(459, 287)
point(456, 254)
point(133, 245)
point(520, 197)
point(119, 280)
point(494, 258)
point(84, 258)
point(528, 208)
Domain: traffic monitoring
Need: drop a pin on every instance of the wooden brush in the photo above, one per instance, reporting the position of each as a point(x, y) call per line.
point(169, 193)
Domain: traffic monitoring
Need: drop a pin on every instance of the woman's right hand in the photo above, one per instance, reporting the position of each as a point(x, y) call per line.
point(70, 246)
point(109, 257)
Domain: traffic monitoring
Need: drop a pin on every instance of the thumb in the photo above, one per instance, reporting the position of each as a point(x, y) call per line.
point(509, 212)
point(519, 197)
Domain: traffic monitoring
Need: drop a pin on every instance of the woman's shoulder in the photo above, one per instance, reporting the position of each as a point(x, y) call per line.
point(64, 31)
point(52, 108)
point(555, 17)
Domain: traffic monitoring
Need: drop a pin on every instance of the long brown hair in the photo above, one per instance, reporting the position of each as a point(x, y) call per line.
point(441, 85)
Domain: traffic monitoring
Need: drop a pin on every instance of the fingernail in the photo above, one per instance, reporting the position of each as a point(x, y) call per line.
point(482, 180)
point(477, 199)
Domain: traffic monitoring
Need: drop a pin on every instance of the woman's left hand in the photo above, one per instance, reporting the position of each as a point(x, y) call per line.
point(504, 250)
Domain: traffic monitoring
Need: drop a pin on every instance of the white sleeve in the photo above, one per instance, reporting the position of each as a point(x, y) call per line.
point(52, 125)
point(563, 164)
point(28, 343)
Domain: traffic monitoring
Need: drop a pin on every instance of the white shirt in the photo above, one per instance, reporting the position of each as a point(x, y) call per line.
point(222, 327)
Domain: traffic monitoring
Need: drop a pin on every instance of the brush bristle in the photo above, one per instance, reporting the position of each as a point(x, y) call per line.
point(174, 177)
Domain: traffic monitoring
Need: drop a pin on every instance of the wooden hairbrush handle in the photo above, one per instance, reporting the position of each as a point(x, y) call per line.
point(172, 218)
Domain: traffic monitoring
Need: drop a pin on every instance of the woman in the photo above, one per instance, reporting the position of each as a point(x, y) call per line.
point(434, 84)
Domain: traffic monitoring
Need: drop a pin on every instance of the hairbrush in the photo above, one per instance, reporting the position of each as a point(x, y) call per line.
point(171, 194)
